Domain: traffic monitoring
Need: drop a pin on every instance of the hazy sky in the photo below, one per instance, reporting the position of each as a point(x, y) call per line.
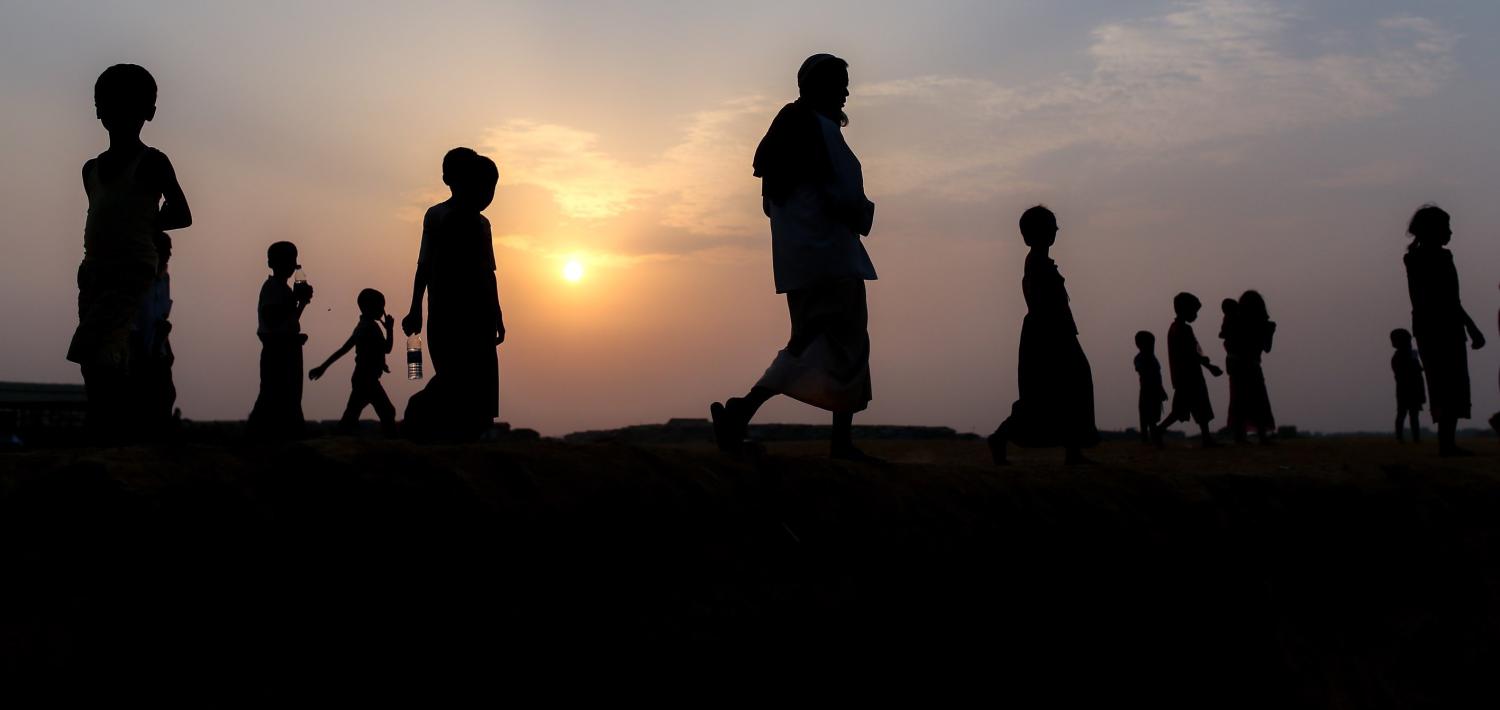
point(1200, 146)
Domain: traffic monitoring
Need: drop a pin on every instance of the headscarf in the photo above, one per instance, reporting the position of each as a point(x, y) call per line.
point(793, 151)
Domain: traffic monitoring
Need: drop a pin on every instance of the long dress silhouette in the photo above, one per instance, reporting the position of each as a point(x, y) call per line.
point(1055, 406)
point(1246, 337)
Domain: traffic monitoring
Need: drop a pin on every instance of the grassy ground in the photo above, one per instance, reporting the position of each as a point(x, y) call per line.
point(1312, 573)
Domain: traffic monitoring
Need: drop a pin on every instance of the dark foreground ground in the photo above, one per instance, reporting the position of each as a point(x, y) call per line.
point(1316, 573)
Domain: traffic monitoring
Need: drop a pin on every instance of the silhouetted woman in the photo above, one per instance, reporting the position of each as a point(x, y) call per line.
point(1246, 336)
point(1056, 404)
point(812, 189)
point(1439, 322)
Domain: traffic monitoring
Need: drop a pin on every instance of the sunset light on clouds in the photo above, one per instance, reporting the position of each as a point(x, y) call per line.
point(1202, 146)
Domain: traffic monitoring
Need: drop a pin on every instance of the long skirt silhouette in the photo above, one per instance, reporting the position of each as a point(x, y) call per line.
point(1056, 404)
point(461, 400)
point(1446, 362)
point(1249, 402)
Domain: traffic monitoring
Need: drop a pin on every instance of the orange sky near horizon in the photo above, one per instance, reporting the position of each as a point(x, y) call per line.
point(1203, 146)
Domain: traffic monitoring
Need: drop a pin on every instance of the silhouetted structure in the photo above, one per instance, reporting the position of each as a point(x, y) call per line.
point(1439, 322)
point(1055, 406)
point(1411, 394)
point(456, 271)
point(1247, 334)
point(1148, 368)
point(278, 408)
point(133, 195)
point(37, 413)
point(370, 346)
point(1186, 361)
point(812, 190)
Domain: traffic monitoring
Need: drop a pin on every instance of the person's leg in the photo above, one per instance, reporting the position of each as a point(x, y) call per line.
point(1159, 430)
point(358, 398)
point(1447, 438)
point(1401, 415)
point(1208, 437)
point(1146, 420)
point(383, 409)
point(1416, 426)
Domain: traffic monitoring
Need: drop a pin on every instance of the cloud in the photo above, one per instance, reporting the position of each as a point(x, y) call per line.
point(1200, 82)
point(1200, 78)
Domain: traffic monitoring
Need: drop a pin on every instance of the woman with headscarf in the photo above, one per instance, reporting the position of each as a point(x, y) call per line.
point(812, 189)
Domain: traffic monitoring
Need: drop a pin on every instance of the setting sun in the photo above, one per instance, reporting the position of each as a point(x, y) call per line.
point(573, 271)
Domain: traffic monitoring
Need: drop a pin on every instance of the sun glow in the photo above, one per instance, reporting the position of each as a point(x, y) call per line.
point(573, 271)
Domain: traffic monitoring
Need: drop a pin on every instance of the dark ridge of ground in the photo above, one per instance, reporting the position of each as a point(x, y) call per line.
point(1318, 573)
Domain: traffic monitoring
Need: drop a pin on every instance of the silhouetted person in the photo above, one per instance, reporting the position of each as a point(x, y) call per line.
point(1056, 402)
point(1152, 391)
point(1495, 418)
point(812, 189)
point(1247, 334)
point(1411, 393)
point(1439, 322)
point(370, 346)
point(456, 270)
point(133, 195)
point(278, 408)
point(1186, 362)
point(151, 355)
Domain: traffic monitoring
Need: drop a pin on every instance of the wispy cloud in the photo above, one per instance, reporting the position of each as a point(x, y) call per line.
point(1199, 82)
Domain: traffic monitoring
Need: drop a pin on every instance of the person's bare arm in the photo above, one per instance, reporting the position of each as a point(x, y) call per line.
point(174, 212)
point(1476, 336)
point(318, 371)
point(412, 323)
point(390, 333)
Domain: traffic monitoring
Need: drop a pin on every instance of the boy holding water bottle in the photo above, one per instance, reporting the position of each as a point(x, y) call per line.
point(370, 346)
point(278, 407)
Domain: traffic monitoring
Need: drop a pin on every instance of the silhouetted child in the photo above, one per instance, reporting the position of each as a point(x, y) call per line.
point(1228, 307)
point(151, 355)
point(1152, 391)
point(278, 408)
point(370, 347)
point(133, 195)
point(1186, 361)
point(1439, 323)
point(1055, 406)
point(456, 269)
point(1247, 334)
point(1411, 393)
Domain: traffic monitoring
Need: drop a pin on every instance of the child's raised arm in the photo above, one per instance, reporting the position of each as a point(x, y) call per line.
point(390, 333)
point(318, 371)
point(174, 212)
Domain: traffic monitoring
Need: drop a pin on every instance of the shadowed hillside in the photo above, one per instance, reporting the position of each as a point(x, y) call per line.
point(1315, 573)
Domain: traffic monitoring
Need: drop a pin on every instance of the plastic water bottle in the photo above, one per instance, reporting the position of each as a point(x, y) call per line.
point(414, 357)
point(299, 278)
